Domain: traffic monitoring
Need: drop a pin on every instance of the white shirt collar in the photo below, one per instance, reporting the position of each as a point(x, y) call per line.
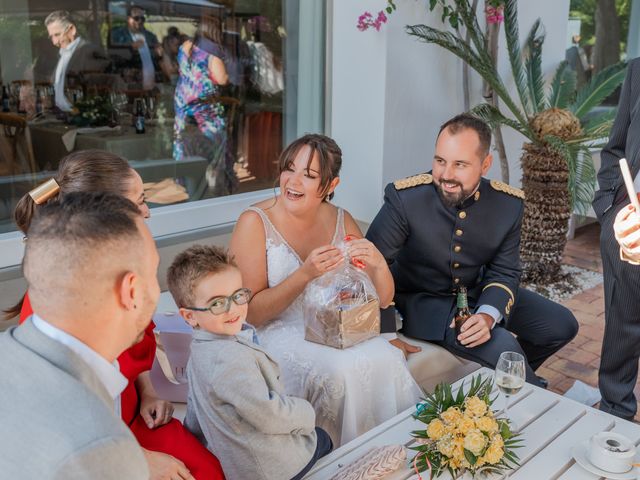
point(108, 373)
point(69, 49)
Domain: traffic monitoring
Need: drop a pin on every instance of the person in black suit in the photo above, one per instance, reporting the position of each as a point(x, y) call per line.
point(78, 57)
point(619, 359)
point(137, 49)
point(452, 228)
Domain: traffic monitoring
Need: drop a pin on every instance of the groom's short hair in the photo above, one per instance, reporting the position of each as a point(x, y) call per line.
point(466, 121)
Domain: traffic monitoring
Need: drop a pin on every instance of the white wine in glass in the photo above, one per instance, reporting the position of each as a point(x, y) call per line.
point(509, 378)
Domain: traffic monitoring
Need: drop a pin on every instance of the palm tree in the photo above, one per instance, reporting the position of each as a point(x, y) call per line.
point(558, 122)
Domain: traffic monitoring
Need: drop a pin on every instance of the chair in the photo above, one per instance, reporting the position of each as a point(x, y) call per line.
point(16, 149)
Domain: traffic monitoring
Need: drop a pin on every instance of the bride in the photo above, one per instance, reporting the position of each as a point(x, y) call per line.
point(281, 245)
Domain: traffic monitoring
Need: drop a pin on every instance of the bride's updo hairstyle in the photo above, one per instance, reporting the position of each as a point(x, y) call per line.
point(329, 156)
point(82, 171)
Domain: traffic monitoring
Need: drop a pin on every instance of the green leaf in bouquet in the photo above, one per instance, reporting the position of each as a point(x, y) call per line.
point(471, 458)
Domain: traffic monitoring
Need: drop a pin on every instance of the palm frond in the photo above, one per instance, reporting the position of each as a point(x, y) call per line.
point(533, 66)
point(470, 21)
point(494, 117)
point(597, 89)
point(563, 86)
point(515, 56)
point(599, 125)
point(449, 42)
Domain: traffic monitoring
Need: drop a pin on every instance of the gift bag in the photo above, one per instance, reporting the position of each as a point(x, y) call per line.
point(173, 347)
point(341, 308)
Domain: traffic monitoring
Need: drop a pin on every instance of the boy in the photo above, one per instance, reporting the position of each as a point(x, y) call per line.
point(236, 403)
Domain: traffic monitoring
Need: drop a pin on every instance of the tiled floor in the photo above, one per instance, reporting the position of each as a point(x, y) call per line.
point(580, 359)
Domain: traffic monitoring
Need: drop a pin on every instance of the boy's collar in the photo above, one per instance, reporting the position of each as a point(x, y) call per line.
point(247, 333)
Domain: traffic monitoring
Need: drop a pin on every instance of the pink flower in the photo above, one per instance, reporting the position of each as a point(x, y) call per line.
point(366, 21)
point(494, 14)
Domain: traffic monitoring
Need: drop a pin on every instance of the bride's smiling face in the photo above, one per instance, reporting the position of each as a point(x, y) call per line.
point(300, 181)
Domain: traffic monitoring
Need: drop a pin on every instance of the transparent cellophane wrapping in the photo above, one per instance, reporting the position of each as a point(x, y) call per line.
point(341, 308)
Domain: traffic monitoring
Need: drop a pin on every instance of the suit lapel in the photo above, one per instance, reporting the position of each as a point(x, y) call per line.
point(62, 357)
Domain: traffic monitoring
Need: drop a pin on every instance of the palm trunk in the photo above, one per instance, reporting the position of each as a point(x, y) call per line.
point(493, 31)
point(545, 181)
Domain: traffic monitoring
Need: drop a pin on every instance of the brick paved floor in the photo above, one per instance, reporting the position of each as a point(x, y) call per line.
point(581, 358)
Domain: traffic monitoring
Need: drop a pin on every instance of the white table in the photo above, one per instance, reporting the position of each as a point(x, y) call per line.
point(551, 426)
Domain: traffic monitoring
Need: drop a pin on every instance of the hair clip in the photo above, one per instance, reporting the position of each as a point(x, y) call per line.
point(45, 191)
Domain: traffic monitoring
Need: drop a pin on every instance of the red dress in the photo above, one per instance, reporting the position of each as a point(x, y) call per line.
point(171, 438)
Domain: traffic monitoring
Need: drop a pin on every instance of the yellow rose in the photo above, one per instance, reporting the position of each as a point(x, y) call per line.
point(445, 446)
point(475, 407)
point(497, 441)
point(465, 424)
point(475, 441)
point(435, 429)
point(451, 415)
point(486, 424)
point(493, 454)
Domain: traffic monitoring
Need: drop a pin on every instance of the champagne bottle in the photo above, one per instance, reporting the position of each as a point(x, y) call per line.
point(463, 312)
point(5, 99)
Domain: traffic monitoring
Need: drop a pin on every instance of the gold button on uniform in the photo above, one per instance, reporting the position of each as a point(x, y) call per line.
point(456, 265)
point(462, 215)
point(457, 248)
point(456, 280)
point(459, 232)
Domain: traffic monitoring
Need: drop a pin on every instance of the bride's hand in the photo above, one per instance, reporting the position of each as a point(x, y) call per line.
point(363, 253)
point(321, 260)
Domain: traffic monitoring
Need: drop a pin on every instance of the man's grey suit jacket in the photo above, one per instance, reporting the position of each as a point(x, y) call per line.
point(56, 418)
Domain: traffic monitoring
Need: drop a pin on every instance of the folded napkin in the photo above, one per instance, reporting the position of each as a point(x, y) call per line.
point(377, 464)
point(165, 191)
point(69, 138)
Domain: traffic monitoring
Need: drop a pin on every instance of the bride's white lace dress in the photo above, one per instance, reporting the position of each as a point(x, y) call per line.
point(351, 390)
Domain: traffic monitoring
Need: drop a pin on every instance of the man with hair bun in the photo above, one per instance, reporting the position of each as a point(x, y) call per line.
point(58, 369)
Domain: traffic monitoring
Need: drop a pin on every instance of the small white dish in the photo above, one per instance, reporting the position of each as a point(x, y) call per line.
point(580, 454)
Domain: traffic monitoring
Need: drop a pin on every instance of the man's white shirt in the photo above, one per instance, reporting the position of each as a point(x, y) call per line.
point(61, 71)
point(148, 71)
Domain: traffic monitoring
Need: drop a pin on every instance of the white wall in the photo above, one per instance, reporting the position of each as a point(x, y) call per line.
point(390, 94)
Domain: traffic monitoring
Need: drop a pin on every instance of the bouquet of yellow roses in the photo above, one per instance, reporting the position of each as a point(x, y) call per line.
point(463, 434)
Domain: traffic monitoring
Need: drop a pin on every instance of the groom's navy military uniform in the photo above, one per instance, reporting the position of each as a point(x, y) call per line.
point(433, 249)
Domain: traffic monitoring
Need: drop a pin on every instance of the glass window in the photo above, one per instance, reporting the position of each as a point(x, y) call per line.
point(200, 97)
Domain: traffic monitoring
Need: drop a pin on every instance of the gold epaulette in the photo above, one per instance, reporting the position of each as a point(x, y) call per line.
point(422, 179)
point(503, 187)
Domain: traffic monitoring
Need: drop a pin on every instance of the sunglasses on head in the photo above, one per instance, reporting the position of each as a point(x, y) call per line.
point(139, 18)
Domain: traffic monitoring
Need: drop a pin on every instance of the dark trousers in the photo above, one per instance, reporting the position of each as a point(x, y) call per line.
point(323, 447)
point(543, 327)
point(621, 342)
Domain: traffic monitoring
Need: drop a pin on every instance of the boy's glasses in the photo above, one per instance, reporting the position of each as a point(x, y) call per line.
point(222, 304)
point(139, 18)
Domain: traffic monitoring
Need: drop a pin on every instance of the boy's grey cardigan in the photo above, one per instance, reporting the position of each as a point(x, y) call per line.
point(238, 409)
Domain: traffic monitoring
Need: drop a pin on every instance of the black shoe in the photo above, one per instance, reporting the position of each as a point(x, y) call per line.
point(544, 383)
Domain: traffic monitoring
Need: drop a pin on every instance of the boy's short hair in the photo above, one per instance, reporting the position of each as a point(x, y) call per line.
point(191, 266)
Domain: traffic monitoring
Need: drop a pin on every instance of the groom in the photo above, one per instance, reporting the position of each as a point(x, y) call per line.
point(451, 228)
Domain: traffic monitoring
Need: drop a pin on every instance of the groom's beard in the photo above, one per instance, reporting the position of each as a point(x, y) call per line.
point(452, 199)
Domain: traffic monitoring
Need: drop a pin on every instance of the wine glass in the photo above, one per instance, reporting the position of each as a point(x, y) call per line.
point(509, 377)
point(151, 107)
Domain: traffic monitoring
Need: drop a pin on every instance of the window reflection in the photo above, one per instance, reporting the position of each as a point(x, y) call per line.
point(190, 92)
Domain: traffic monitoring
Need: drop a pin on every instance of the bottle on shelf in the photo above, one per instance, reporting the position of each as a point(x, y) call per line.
point(6, 102)
point(39, 103)
point(463, 312)
point(139, 116)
